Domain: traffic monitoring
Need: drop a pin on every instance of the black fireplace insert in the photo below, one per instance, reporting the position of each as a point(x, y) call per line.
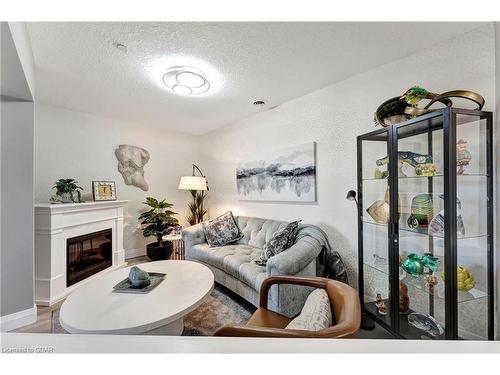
point(87, 255)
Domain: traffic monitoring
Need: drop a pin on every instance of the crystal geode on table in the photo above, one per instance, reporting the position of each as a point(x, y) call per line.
point(139, 278)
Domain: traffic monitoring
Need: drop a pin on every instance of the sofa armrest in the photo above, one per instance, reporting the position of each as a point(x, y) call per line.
point(295, 258)
point(193, 235)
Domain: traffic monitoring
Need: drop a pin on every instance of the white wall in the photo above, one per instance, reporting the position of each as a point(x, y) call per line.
point(22, 41)
point(70, 144)
point(16, 183)
point(333, 117)
point(17, 206)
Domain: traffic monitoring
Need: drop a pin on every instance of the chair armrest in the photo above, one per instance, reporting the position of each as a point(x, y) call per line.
point(249, 331)
point(294, 259)
point(315, 282)
point(193, 235)
point(337, 331)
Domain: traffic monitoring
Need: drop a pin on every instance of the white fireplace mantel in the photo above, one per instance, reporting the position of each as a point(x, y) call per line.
point(54, 224)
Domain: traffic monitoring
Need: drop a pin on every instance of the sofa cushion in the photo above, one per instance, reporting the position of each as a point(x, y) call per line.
point(256, 231)
point(236, 260)
point(279, 242)
point(221, 230)
point(316, 313)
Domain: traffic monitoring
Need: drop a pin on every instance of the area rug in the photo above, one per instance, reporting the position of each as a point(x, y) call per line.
point(222, 307)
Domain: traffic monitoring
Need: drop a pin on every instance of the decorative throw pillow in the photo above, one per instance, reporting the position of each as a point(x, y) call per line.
point(279, 242)
point(316, 313)
point(221, 230)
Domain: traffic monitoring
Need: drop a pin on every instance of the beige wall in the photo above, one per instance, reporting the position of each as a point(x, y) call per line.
point(71, 144)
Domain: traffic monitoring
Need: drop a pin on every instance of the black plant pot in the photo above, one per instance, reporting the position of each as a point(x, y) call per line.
point(156, 252)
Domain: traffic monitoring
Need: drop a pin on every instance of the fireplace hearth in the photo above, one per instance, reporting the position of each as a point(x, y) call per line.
point(88, 254)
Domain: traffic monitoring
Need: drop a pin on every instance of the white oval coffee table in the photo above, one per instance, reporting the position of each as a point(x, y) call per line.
point(94, 307)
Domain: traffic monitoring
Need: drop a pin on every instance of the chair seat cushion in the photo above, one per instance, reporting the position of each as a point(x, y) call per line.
point(268, 319)
point(316, 313)
point(236, 260)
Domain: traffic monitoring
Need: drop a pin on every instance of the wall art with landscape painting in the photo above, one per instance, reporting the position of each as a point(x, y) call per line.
point(287, 174)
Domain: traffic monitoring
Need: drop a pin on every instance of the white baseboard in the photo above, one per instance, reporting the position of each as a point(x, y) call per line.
point(18, 319)
point(133, 253)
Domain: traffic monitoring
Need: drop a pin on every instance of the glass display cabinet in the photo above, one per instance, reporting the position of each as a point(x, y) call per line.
point(425, 229)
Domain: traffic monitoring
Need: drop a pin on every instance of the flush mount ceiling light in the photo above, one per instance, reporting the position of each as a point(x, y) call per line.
point(186, 80)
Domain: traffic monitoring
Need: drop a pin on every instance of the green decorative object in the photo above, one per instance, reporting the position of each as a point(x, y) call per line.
point(421, 212)
point(465, 280)
point(414, 95)
point(416, 264)
point(65, 190)
point(401, 108)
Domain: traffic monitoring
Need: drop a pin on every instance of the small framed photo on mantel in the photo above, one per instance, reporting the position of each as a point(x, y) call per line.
point(104, 190)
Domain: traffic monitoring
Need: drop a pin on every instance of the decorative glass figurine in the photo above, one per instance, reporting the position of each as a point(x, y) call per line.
point(436, 227)
point(416, 264)
point(425, 323)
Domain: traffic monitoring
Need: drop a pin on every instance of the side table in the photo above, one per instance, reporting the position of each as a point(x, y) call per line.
point(178, 243)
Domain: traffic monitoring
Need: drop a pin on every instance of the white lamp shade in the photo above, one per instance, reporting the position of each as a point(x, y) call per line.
point(193, 183)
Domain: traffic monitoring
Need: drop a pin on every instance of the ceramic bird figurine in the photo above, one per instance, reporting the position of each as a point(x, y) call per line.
point(414, 95)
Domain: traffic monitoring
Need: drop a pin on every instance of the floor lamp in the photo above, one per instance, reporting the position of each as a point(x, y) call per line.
point(198, 187)
point(366, 321)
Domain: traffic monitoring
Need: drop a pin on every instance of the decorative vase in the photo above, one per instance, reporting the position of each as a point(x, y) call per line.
point(421, 212)
point(65, 197)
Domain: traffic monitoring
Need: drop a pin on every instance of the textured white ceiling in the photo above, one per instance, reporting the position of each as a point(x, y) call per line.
point(78, 67)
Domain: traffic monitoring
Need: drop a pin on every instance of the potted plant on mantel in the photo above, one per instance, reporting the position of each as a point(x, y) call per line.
point(158, 222)
point(65, 190)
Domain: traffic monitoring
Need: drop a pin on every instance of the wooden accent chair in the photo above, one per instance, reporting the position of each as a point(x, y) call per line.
point(344, 301)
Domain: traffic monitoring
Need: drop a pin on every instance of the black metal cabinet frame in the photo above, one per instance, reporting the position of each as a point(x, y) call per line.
point(446, 120)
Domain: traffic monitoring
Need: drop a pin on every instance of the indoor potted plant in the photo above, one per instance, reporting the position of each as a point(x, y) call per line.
point(65, 190)
point(158, 222)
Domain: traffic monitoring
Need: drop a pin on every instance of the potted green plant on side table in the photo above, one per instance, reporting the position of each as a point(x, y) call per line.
point(158, 222)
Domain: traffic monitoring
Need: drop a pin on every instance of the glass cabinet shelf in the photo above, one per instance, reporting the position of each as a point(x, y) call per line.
point(428, 177)
point(419, 282)
point(410, 232)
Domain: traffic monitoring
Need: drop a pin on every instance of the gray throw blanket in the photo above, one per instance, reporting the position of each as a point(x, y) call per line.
point(330, 260)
